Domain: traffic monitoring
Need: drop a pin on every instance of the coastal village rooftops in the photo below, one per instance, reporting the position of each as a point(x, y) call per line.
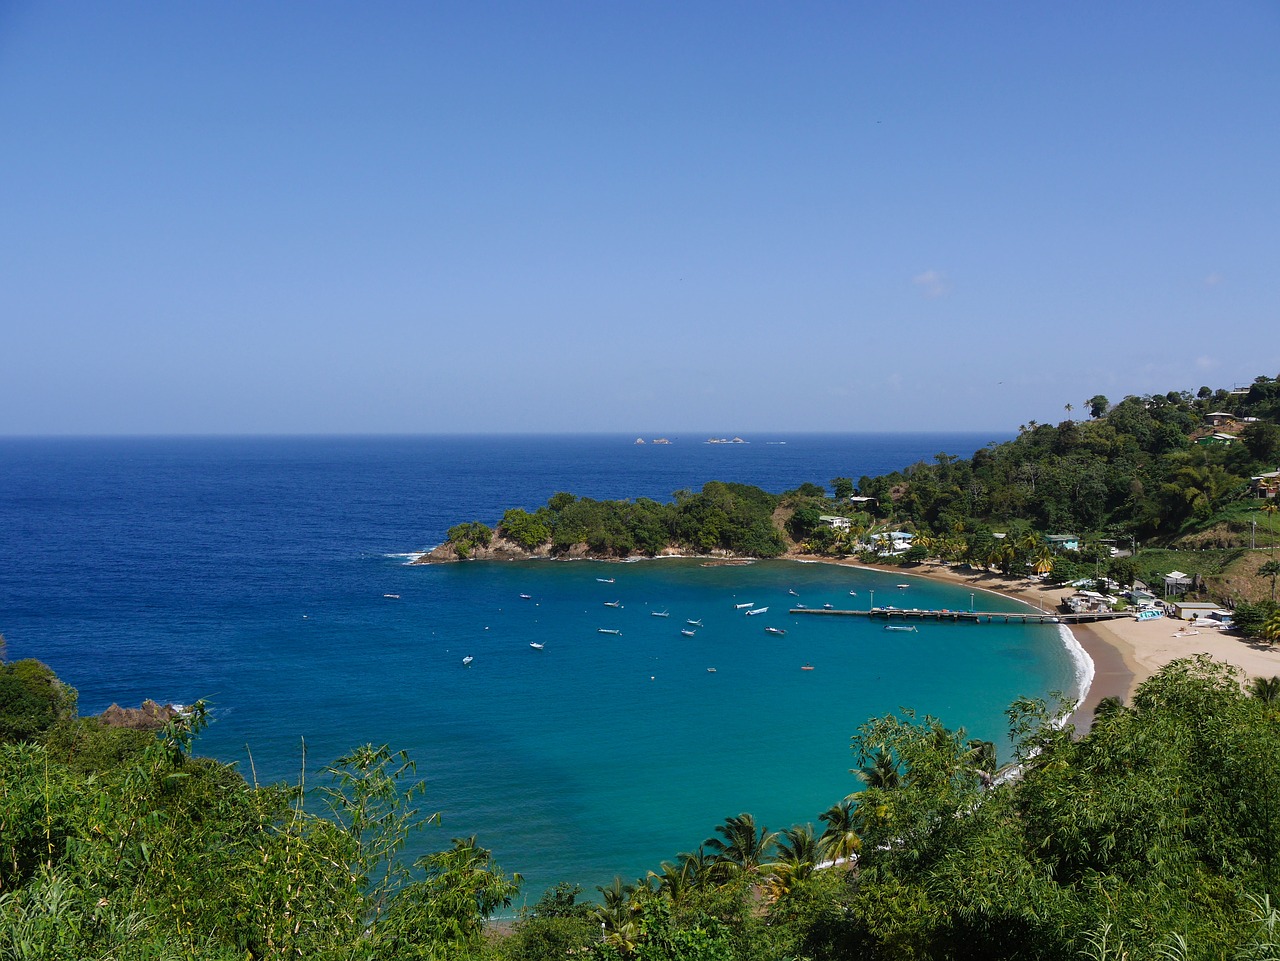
point(1067, 542)
point(839, 523)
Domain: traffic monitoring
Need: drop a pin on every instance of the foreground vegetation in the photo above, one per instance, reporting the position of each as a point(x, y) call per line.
point(1156, 835)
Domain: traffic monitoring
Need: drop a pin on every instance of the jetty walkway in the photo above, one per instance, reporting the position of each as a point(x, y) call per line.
point(977, 617)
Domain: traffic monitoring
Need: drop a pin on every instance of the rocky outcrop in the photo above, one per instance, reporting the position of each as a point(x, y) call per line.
point(149, 717)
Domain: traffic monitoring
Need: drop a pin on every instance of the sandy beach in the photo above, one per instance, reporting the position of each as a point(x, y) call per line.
point(1125, 652)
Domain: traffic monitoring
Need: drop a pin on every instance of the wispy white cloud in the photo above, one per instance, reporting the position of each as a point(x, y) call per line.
point(932, 284)
point(1206, 363)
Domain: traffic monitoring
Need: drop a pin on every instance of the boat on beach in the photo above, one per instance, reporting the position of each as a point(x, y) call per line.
point(756, 610)
point(466, 661)
point(774, 630)
point(608, 630)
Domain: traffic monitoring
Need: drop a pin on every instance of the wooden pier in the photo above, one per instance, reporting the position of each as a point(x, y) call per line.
point(976, 617)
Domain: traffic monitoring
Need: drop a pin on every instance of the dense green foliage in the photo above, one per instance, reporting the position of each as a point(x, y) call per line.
point(722, 517)
point(1133, 471)
point(32, 699)
point(1154, 836)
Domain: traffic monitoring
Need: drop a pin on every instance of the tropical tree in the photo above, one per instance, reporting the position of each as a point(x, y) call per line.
point(1271, 627)
point(1265, 689)
point(883, 772)
point(1270, 569)
point(798, 852)
point(742, 848)
point(841, 834)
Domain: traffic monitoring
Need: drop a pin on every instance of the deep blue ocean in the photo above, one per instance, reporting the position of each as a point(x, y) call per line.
point(252, 572)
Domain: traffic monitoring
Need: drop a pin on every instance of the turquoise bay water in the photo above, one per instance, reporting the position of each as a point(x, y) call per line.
point(252, 572)
point(604, 754)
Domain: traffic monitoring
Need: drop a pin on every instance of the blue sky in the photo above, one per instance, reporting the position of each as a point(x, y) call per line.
point(637, 217)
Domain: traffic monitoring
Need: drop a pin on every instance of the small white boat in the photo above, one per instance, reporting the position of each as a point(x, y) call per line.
point(903, 586)
point(756, 610)
point(466, 661)
point(774, 630)
point(792, 593)
point(535, 645)
point(686, 632)
point(901, 627)
point(697, 623)
point(828, 607)
point(739, 607)
point(613, 604)
point(608, 630)
point(853, 593)
point(605, 580)
point(659, 614)
point(394, 597)
point(711, 670)
point(526, 597)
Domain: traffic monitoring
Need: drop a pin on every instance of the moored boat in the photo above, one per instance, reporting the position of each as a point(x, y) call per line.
point(605, 580)
point(756, 610)
point(901, 627)
point(739, 607)
point(608, 630)
point(806, 667)
point(659, 614)
point(466, 661)
point(774, 630)
point(686, 632)
point(613, 603)
point(697, 623)
point(535, 645)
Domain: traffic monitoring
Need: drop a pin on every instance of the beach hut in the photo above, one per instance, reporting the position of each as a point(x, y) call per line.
point(1176, 582)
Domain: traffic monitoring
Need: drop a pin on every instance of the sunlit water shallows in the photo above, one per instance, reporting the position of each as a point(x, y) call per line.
point(253, 573)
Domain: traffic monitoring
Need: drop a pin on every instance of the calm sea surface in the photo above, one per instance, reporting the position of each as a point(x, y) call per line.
point(252, 573)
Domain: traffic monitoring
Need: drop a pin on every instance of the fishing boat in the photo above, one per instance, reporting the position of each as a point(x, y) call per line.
point(792, 592)
point(828, 607)
point(613, 604)
point(774, 630)
point(903, 586)
point(526, 597)
point(853, 593)
point(756, 610)
point(659, 614)
point(608, 630)
point(697, 623)
point(535, 645)
point(394, 597)
point(605, 580)
point(738, 607)
point(711, 670)
point(686, 632)
point(806, 667)
point(901, 627)
point(466, 661)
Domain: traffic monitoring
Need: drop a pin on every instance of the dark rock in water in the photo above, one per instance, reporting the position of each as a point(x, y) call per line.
point(149, 717)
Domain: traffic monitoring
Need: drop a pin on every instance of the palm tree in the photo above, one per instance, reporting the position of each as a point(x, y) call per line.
point(1271, 629)
point(1270, 509)
point(841, 835)
point(1270, 569)
point(883, 772)
point(1265, 689)
point(619, 917)
point(798, 853)
point(744, 848)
